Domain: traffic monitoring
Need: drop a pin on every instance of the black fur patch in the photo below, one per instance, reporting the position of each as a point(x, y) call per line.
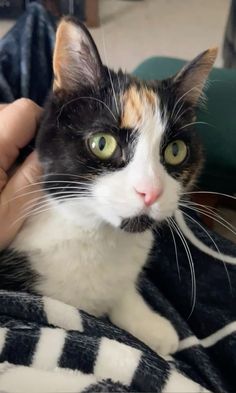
point(137, 224)
point(16, 273)
point(70, 119)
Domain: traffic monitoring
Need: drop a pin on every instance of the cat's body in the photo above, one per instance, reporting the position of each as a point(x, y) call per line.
point(95, 269)
point(117, 155)
point(88, 268)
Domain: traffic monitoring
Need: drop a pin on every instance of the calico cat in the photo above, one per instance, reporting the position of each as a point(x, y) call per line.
point(117, 154)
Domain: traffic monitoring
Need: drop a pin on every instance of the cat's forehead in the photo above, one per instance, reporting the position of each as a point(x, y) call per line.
point(137, 102)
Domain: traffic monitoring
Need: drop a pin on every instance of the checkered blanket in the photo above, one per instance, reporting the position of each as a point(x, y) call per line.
point(48, 346)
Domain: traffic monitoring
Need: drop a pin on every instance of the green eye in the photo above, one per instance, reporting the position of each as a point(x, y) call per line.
point(102, 145)
point(175, 153)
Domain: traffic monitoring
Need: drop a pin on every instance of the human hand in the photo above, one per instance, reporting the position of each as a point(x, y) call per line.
point(18, 124)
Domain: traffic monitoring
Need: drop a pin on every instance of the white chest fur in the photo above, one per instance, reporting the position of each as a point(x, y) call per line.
point(88, 269)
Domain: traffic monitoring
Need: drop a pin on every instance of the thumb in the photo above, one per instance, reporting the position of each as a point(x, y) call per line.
point(18, 197)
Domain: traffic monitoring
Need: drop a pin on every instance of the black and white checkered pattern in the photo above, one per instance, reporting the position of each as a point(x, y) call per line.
point(48, 346)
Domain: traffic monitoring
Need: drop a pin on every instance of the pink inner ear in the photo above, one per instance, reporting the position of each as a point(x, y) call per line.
point(76, 62)
point(59, 56)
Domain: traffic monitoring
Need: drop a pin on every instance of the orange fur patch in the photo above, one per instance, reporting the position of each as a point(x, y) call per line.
point(135, 104)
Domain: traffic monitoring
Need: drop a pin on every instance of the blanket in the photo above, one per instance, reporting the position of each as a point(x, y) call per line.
point(48, 346)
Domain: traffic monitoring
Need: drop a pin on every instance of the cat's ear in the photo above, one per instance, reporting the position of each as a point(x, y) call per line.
point(76, 61)
point(190, 81)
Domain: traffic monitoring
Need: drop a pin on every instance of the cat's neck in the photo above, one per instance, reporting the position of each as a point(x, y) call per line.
point(58, 224)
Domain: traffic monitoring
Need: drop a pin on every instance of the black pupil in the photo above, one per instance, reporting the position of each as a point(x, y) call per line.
point(175, 149)
point(102, 143)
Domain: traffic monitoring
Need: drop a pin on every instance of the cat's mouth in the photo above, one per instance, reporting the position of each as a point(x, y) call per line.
point(137, 224)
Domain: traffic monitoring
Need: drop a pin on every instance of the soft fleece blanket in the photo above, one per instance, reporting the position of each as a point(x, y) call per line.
point(48, 346)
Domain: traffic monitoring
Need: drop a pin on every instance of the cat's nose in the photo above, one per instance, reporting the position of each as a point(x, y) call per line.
point(149, 194)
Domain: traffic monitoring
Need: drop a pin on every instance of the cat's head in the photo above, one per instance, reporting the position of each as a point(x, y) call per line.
point(116, 149)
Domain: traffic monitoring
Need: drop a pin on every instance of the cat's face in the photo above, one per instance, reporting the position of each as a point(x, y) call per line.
point(115, 149)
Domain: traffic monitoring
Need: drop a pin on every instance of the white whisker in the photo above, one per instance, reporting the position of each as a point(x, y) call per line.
point(209, 192)
point(210, 216)
point(193, 123)
point(178, 111)
point(65, 174)
point(109, 72)
point(78, 187)
point(37, 210)
point(69, 198)
point(191, 265)
point(175, 247)
point(85, 98)
point(180, 115)
point(210, 210)
point(55, 194)
point(52, 181)
point(179, 100)
point(215, 245)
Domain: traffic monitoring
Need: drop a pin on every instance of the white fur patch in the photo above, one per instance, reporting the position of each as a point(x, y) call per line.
point(116, 361)
point(62, 315)
point(86, 268)
point(133, 314)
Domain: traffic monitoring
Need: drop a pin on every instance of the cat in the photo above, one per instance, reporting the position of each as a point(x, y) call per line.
point(117, 155)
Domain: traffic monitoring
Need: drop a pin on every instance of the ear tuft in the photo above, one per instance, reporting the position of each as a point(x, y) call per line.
point(76, 61)
point(190, 81)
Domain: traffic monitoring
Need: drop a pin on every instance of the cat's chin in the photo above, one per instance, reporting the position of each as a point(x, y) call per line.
point(137, 224)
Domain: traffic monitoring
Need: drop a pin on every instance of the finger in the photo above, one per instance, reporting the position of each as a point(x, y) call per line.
point(18, 124)
point(3, 179)
point(2, 106)
point(13, 202)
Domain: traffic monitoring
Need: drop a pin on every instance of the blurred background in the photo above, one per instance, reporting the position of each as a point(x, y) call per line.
point(136, 29)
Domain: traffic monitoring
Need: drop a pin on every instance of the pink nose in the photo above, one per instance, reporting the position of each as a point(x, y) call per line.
point(149, 194)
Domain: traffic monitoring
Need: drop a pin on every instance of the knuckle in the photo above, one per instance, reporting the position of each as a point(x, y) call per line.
point(27, 104)
point(24, 102)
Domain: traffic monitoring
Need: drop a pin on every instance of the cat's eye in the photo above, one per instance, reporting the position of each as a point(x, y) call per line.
point(175, 153)
point(102, 145)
